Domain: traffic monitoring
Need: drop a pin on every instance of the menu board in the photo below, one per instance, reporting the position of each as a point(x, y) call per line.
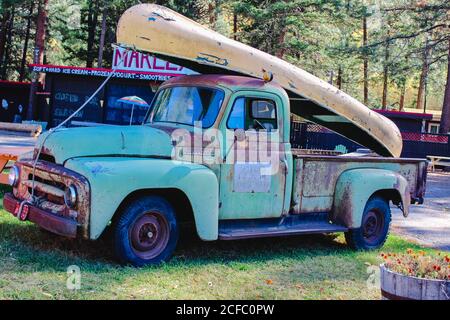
point(69, 95)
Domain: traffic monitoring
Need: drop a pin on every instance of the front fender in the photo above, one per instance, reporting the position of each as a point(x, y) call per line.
point(355, 187)
point(113, 179)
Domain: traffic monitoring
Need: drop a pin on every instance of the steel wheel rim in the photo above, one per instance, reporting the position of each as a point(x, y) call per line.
point(373, 226)
point(149, 235)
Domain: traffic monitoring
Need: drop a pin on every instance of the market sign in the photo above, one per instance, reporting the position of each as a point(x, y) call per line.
point(127, 65)
point(141, 62)
point(94, 72)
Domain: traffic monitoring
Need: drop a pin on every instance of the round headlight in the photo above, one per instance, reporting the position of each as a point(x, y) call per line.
point(13, 176)
point(70, 196)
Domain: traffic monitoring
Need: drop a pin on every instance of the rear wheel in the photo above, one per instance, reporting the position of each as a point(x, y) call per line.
point(374, 228)
point(146, 232)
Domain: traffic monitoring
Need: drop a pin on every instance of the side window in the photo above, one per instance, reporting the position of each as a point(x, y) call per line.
point(236, 120)
point(263, 109)
point(433, 128)
point(253, 113)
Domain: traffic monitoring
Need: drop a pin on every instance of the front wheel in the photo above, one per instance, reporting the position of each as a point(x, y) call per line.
point(146, 232)
point(374, 228)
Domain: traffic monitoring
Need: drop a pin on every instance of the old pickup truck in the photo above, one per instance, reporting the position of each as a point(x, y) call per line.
point(134, 177)
point(215, 152)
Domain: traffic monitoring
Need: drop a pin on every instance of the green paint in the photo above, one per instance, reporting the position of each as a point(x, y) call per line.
point(107, 140)
point(113, 179)
point(356, 186)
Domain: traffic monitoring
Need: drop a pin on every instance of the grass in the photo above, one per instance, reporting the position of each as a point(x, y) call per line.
point(33, 265)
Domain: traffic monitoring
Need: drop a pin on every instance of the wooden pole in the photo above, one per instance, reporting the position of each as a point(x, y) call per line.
point(38, 57)
point(25, 45)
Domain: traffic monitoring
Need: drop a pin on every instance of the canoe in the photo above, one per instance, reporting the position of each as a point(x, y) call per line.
point(175, 38)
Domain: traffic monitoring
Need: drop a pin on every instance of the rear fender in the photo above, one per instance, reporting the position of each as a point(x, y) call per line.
point(355, 187)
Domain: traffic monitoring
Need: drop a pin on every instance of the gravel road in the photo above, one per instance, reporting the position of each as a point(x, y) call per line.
point(428, 224)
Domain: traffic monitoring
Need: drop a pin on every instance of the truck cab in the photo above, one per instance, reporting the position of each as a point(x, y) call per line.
point(213, 151)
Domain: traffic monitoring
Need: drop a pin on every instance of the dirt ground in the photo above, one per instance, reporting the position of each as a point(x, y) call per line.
point(428, 224)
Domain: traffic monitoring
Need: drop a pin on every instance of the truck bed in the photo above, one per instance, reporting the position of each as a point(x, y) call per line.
point(316, 176)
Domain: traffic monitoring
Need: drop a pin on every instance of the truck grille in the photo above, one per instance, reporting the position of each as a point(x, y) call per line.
point(49, 184)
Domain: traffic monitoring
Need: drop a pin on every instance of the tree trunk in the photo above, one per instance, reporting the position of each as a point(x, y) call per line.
point(445, 117)
point(385, 75)
point(41, 31)
point(366, 63)
point(92, 26)
point(89, 40)
point(423, 77)
point(4, 31)
point(402, 97)
point(339, 78)
point(25, 45)
point(6, 54)
point(281, 47)
point(235, 26)
point(102, 37)
point(212, 15)
point(38, 55)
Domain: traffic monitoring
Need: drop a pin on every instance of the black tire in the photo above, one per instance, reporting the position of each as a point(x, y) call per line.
point(374, 228)
point(146, 232)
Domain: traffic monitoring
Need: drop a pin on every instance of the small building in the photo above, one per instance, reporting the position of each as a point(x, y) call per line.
point(13, 100)
point(420, 134)
point(410, 120)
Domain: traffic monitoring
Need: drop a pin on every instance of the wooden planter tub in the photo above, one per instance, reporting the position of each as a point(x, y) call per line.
point(396, 286)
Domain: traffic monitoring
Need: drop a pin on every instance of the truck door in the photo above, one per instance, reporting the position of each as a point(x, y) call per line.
point(253, 172)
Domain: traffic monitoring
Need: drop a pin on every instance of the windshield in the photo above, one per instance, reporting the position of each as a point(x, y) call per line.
point(187, 105)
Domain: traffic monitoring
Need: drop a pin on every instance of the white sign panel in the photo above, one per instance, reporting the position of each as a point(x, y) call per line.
point(141, 62)
point(249, 177)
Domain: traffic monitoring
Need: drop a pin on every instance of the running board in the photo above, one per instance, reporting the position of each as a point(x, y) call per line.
point(277, 227)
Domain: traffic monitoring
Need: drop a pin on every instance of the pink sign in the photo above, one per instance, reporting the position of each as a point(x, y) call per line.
point(137, 61)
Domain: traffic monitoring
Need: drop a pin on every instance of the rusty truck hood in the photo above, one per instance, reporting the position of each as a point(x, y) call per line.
point(171, 36)
point(135, 141)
